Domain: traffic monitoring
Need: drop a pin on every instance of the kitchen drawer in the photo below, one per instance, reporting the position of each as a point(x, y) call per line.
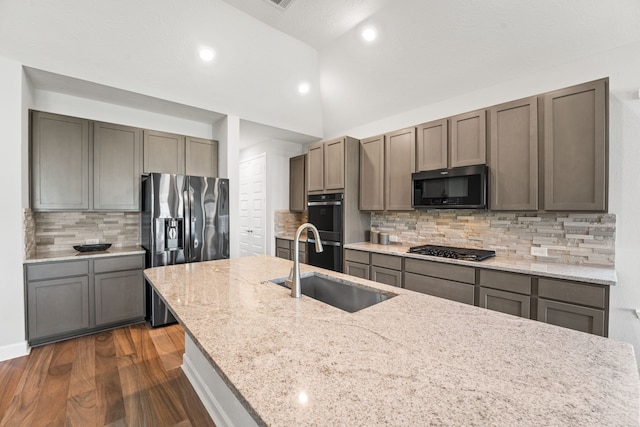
point(303, 246)
point(506, 281)
point(447, 289)
point(356, 256)
point(441, 270)
point(576, 293)
point(584, 319)
point(283, 243)
point(505, 302)
point(129, 262)
point(356, 269)
point(387, 276)
point(283, 253)
point(57, 269)
point(387, 261)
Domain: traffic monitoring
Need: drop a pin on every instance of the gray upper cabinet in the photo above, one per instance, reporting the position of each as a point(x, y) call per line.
point(59, 162)
point(326, 166)
point(575, 148)
point(201, 157)
point(164, 152)
point(297, 184)
point(315, 170)
point(468, 145)
point(432, 148)
point(513, 155)
point(372, 174)
point(399, 158)
point(334, 164)
point(116, 167)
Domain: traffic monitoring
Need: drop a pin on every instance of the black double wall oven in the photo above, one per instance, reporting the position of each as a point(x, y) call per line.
point(326, 213)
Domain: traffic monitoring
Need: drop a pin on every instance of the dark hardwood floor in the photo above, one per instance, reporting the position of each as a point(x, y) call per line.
point(125, 377)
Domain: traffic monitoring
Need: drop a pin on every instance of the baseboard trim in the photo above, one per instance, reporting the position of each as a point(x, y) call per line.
point(12, 351)
point(223, 407)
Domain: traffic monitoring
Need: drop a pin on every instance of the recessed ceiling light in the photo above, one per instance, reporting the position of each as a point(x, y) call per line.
point(369, 34)
point(207, 54)
point(304, 88)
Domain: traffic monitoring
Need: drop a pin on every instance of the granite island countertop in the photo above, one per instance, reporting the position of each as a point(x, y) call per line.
point(411, 360)
point(582, 273)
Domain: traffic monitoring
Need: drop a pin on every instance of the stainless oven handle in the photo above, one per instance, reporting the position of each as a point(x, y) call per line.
point(324, 203)
point(326, 242)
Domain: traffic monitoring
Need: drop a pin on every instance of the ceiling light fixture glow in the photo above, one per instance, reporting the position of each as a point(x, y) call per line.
point(304, 88)
point(369, 34)
point(207, 54)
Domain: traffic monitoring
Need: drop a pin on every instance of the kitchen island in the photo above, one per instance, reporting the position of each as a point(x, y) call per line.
point(410, 360)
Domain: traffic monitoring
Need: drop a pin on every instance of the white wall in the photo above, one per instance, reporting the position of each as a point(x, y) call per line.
point(151, 47)
point(13, 122)
point(277, 154)
point(59, 103)
point(622, 65)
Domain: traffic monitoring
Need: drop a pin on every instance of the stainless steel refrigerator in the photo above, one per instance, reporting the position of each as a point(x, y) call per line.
point(184, 219)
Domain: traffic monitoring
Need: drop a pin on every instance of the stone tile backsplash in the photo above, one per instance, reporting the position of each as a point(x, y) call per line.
point(286, 222)
point(569, 238)
point(58, 231)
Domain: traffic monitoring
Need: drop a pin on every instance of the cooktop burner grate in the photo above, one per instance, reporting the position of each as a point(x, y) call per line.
point(453, 252)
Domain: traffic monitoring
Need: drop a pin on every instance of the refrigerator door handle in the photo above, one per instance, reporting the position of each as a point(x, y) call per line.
point(188, 237)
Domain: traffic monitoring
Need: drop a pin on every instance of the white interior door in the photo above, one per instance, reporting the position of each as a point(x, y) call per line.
point(253, 177)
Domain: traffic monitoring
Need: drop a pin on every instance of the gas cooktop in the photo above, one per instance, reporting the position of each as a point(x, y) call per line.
point(452, 252)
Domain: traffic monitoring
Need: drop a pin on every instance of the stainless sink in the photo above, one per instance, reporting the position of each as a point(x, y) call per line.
point(343, 295)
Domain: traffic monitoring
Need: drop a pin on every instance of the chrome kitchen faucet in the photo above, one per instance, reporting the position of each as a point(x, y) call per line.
point(294, 276)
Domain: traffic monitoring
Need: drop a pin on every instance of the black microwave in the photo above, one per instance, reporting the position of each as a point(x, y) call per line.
point(457, 188)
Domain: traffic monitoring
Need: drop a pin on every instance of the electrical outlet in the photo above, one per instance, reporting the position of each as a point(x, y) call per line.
point(393, 238)
point(535, 251)
point(637, 311)
point(92, 241)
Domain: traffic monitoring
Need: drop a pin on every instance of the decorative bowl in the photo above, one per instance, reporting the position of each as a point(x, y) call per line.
point(92, 248)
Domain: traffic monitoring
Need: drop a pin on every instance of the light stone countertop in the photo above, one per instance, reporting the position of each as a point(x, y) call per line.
point(411, 360)
point(581, 273)
point(72, 254)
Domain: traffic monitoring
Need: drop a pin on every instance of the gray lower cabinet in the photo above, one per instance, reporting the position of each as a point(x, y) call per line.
point(70, 298)
point(505, 302)
point(505, 292)
point(119, 296)
point(285, 249)
point(356, 263)
point(357, 269)
point(58, 306)
point(569, 304)
point(573, 305)
point(579, 318)
point(448, 281)
point(386, 269)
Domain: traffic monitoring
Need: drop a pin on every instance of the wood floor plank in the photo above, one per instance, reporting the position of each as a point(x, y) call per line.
point(21, 409)
point(11, 372)
point(127, 377)
point(36, 370)
point(195, 410)
point(83, 374)
point(81, 410)
point(170, 356)
point(108, 387)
